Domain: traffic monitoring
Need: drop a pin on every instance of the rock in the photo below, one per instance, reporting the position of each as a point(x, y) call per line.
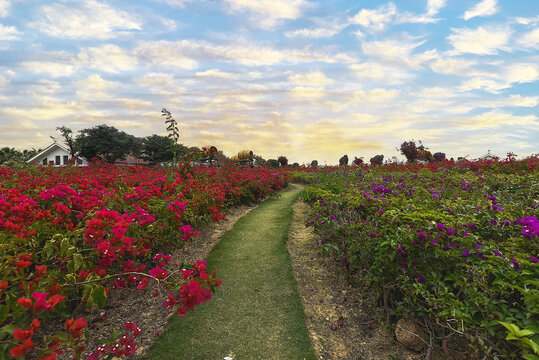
point(410, 334)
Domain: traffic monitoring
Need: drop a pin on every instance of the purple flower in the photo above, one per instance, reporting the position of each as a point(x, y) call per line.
point(450, 232)
point(516, 265)
point(421, 279)
point(496, 253)
point(332, 217)
point(345, 262)
point(466, 253)
point(440, 226)
point(381, 211)
point(421, 235)
point(534, 260)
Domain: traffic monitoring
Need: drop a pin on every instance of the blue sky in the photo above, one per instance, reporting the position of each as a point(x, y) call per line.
point(305, 79)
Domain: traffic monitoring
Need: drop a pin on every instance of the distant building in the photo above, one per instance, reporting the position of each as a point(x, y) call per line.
point(487, 156)
point(55, 155)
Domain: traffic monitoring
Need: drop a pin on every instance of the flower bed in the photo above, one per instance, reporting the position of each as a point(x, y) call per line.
point(71, 235)
point(454, 246)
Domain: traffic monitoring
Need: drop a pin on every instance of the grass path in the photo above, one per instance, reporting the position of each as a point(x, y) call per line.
point(257, 313)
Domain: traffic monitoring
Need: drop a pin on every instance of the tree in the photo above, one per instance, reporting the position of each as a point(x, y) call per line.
point(67, 134)
point(377, 160)
point(273, 163)
point(343, 160)
point(439, 156)
point(283, 161)
point(409, 149)
point(314, 163)
point(157, 148)
point(106, 142)
point(358, 161)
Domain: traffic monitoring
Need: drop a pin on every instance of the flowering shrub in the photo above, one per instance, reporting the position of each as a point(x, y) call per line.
point(71, 235)
point(454, 245)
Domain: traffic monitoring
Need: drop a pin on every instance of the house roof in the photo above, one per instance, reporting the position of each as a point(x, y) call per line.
point(48, 149)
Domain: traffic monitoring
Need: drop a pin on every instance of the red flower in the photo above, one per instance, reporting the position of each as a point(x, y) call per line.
point(3, 285)
point(143, 283)
point(41, 303)
point(75, 326)
point(25, 302)
point(35, 325)
point(22, 264)
point(55, 300)
point(41, 270)
point(158, 273)
point(51, 356)
point(22, 335)
point(22, 349)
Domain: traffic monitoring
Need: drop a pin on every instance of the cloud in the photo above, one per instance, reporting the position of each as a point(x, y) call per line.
point(483, 8)
point(96, 83)
point(530, 40)
point(135, 104)
point(166, 53)
point(109, 58)
point(521, 73)
point(215, 73)
point(496, 119)
point(53, 68)
point(375, 20)
point(308, 92)
point(452, 66)
point(9, 32)
point(375, 95)
point(434, 6)
point(267, 14)
point(176, 3)
point(320, 32)
point(5, 5)
point(480, 41)
point(86, 19)
point(374, 71)
point(311, 78)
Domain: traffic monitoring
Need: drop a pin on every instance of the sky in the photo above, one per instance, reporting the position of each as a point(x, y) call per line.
point(301, 78)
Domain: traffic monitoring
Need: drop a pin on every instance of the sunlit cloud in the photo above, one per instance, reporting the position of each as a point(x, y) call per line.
point(86, 19)
point(267, 14)
point(480, 41)
point(9, 32)
point(483, 8)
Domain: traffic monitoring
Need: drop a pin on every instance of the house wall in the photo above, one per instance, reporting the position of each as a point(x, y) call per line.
point(51, 156)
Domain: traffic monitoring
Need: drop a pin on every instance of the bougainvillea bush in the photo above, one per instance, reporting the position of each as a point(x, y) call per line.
point(74, 234)
point(454, 246)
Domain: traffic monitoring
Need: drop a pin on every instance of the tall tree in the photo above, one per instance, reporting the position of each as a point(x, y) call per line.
point(67, 134)
point(157, 148)
point(106, 142)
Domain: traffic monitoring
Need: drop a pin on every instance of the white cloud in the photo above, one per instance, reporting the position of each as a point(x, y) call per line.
point(9, 33)
point(479, 83)
point(166, 53)
point(399, 51)
point(87, 19)
point(375, 95)
point(375, 20)
point(451, 66)
point(267, 14)
point(135, 104)
point(434, 6)
point(176, 3)
point(480, 41)
point(483, 8)
point(308, 92)
point(388, 74)
point(96, 83)
point(521, 73)
point(52, 68)
point(530, 39)
point(109, 58)
point(495, 119)
point(5, 5)
point(319, 32)
point(313, 78)
point(215, 73)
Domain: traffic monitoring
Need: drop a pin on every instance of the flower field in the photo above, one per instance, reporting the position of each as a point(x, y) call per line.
point(454, 246)
point(74, 234)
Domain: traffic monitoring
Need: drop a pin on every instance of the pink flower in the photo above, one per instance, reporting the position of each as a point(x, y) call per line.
point(158, 273)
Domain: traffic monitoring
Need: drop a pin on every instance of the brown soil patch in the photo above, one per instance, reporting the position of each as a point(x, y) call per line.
point(328, 297)
point(140, 306)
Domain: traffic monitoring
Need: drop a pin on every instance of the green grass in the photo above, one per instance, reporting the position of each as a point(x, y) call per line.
point(257, 312)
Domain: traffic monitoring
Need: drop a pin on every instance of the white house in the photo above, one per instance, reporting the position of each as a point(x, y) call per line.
point(55, 155)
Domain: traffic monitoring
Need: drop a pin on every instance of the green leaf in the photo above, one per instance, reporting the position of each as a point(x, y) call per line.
point(71, 250)
point(78, 261)
point(99, 296)
point(530, 357)
point(4, 311)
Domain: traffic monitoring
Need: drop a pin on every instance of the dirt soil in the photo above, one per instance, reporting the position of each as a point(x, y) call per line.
point(344, 322)
point(140, 306)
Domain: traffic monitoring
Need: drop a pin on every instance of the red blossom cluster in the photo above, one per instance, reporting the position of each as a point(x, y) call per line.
point(77, 233)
